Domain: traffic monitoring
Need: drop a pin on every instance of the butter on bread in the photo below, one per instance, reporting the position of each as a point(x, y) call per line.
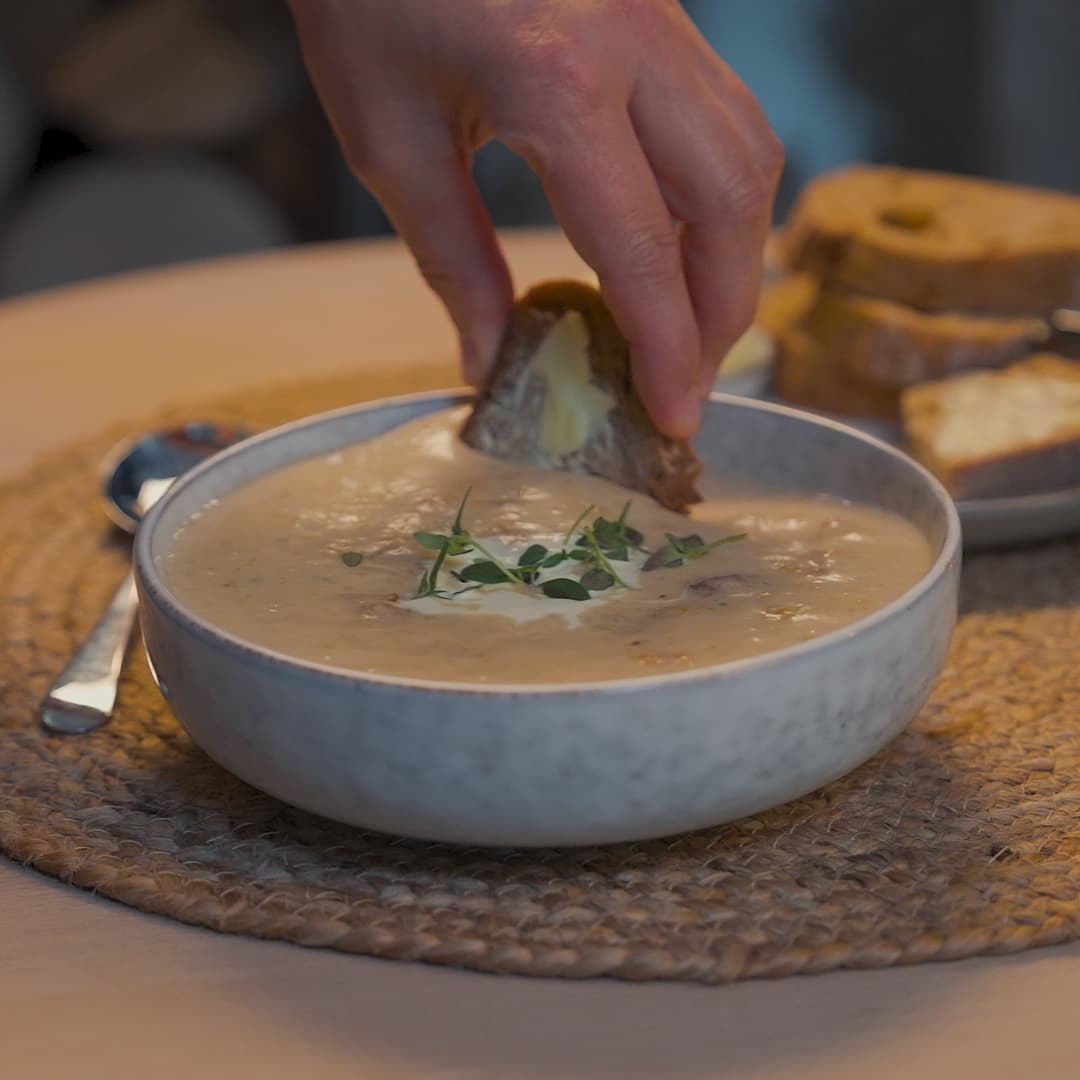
point(939, 242)
point(999, 433)
point(561, 395)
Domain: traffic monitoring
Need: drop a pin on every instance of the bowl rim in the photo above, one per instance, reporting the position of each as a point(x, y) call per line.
point(150, 579)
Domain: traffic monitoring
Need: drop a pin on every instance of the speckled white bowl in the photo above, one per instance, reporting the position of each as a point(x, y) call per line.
point(573, 764)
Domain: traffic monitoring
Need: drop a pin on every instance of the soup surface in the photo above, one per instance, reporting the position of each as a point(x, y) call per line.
point(319, 561)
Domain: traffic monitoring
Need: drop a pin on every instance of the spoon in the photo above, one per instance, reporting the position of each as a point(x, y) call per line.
point(134, 475)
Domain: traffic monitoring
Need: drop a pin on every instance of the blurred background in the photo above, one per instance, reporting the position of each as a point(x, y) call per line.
point(138, 133)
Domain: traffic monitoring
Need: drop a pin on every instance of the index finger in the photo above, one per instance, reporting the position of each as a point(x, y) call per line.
point(604, 194)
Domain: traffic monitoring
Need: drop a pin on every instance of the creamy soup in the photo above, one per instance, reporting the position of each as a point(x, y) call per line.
point(319, 561)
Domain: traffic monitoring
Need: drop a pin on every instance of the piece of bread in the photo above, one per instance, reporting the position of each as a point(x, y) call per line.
point(785, 302)
point(812, 377)
point(561, 396)
point(999, 433)
point(939, 242)
point(893, 345)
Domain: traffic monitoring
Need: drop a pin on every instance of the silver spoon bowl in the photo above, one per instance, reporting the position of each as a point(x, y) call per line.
point(134, 475)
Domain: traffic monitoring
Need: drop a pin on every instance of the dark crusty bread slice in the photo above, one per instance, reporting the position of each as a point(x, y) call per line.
point(998, 433)
point(894, 345)
point(618, 440)
point(939, 242)
point(812, 377)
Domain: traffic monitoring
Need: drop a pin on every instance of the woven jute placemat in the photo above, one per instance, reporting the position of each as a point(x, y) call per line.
point(963, 837)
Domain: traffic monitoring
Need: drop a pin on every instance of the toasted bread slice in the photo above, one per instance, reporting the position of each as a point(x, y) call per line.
point(893, 345)
point(939, 242)
point(785, 302)
point(812, 377)
point(561, 396)
point(999, 433)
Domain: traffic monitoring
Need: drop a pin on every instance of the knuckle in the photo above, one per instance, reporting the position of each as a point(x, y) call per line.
point(651, 253)
point(747, 193)
point(560, 95)
point(556, 67)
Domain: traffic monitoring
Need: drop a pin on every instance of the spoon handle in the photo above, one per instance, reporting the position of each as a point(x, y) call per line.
point(83, 696)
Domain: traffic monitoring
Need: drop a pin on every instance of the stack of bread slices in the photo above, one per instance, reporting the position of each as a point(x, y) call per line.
point(926, 298)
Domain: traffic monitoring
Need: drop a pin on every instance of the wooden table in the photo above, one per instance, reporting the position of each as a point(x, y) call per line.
point(91, 989)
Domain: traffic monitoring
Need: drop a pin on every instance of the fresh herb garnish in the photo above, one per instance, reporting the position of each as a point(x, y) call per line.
point(599, 560)
point(679, 550)
point(533, 555)
point(457, 543)
point(596, 547)
point(485, 572)
point(616, 538)
point(596, 580)
point(564, 588)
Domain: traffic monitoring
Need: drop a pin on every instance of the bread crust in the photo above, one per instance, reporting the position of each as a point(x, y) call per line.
point(628, 450)
point(939, 242)
point(812, 377)
point(1027, 467)
point(892, 345)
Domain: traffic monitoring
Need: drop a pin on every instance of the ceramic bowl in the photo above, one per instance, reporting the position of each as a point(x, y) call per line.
point(578, 763)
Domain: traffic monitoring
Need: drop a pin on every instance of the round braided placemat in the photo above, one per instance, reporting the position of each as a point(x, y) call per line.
point(963, 837)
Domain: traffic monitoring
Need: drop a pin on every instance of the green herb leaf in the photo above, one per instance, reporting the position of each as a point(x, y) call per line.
point(533, 555)
point(607, 532)
point(432, 541)
point(507, 573)
point(554, 559)
point(599, 559)
point(596, 580)
point(616, 537)
point(486, 572)
point(681, 549)
point(352, 558)
point(564, 589)
point(664, 557)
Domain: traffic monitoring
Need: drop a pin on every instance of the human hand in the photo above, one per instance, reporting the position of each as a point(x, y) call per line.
point(656, 159)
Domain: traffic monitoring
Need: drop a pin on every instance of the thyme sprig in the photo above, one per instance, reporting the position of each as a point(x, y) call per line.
point(596, 547)
point(679, 550)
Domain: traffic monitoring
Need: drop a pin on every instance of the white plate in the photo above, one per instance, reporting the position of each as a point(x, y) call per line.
point(987, 523)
